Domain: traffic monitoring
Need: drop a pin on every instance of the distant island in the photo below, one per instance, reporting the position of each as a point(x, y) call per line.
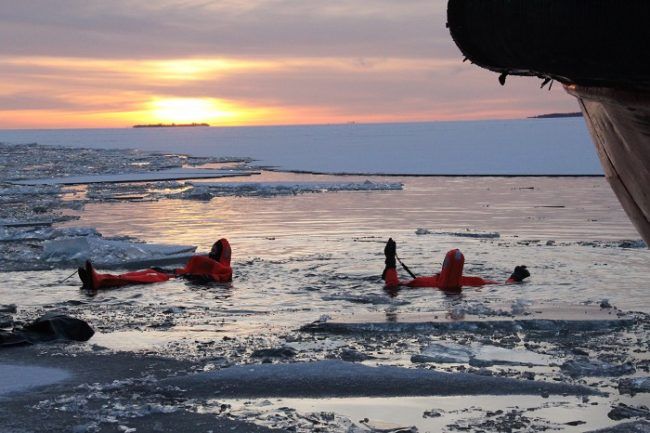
point(555, 115)
point(171, 125)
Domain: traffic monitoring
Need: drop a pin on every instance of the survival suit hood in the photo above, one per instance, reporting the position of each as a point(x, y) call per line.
point(452, 270)
point(221, 252)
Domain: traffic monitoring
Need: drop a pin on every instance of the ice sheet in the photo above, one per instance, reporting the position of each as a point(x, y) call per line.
point(545, 317)
point(15, 378)
point(203, 191)
point(109, 252)
point(504, 147)
point(338, 378)
point(170, 174)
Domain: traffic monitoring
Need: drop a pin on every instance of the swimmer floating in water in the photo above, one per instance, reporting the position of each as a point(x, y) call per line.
point(213, 267)
point(450, 278)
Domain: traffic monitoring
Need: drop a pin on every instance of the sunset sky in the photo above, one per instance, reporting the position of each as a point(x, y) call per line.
point(91, 63)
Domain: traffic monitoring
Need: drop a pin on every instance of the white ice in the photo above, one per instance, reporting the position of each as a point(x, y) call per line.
point(111, 253)
point(170, 174)
point(207, 190)
point(444, 352)
point(39, 233)
point(15, 378)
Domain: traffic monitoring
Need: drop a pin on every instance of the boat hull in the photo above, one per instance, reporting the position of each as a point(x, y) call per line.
point(619, 123)
point(598, 50)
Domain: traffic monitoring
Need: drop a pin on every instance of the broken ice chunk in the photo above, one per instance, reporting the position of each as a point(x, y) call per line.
point(111, 252)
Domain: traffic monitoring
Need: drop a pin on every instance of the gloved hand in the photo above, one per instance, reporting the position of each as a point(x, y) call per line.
point(390, 251)
point(520, 273)
point(199, 278)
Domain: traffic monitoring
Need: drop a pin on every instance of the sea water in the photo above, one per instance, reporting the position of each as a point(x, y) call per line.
point(305, 257)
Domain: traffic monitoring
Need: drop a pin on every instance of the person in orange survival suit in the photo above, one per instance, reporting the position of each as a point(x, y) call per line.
point(214, 267)
point(450, 278)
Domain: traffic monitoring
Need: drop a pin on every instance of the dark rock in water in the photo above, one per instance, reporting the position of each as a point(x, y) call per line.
point(9, 339)
point(575, 423)
point(53, 326)
point(628, 427)
point(623, 411)
point(634, 386)
point(11, 308)
point(425, 359)
point(75, 302)
point(279, 352)
point(592, 367)
point(6, 321)
point(49, 327)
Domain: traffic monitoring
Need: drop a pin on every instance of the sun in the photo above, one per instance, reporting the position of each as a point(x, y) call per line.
point(187, 110)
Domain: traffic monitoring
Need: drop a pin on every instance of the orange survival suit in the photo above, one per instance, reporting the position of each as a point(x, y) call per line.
point(450, 277)
point(214, 267)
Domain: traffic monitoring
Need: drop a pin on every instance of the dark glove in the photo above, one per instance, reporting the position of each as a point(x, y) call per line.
point(199, 278)
point(390, 251)
point(520, 273)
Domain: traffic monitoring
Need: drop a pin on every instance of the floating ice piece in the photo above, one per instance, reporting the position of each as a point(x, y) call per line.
point(28, 190)
point(628, 427)
point(111, 253)
point(344, 379)
point(169, 174)
point(478, 355)
point(519, 306)
point(465, 234)
point(443, 353)
point(15, 378)
point(16, 223)
point(543, 317)
point(593, 367)
point(205, 191)
point(487, 355)
point(635, 385)
point(623, 411)
point(376, 426)
point(12, 234)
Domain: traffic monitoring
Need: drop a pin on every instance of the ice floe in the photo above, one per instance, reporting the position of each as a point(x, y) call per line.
point(206, 191)
point(593, 367)
point(9, 234)
point(31, 161)
point(478, 355)
point(332, 378)
point(624, 411)
point(628, 427)
point(180, 173)
point(460, 234)
point(551, 318)
point(634, 385)
point(16, 378)
point(110, 253)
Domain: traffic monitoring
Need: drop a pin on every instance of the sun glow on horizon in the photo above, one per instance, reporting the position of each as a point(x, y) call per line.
point(188, 110)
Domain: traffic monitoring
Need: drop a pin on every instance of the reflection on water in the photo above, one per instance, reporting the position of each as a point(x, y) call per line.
point(530, 208)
